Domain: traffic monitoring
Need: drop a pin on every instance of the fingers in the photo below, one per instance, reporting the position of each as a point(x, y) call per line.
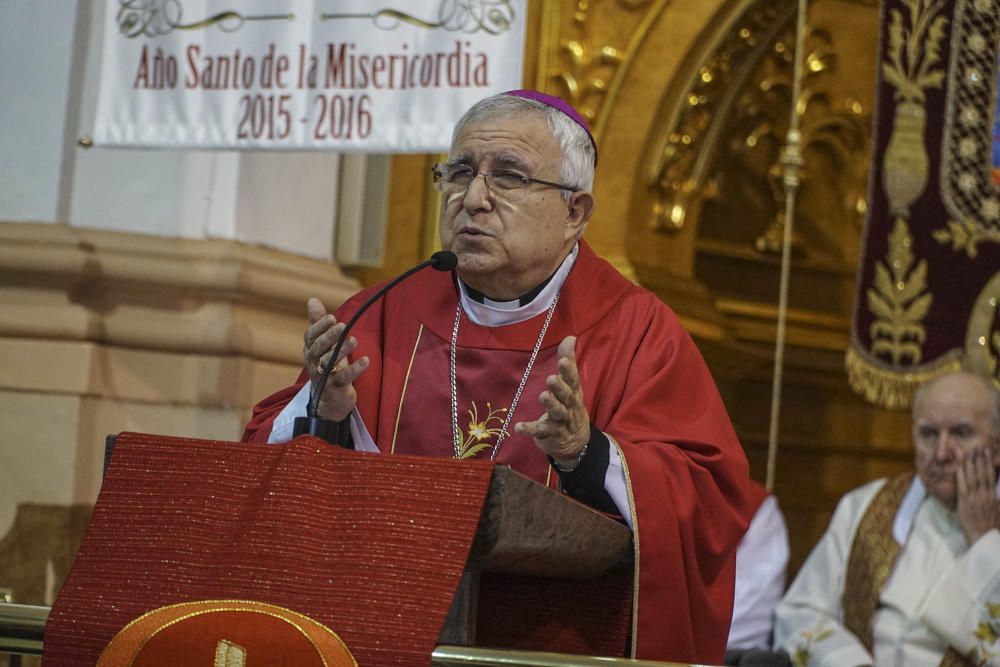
point(961, 477)
point(315, 309)
point(975, 476)
point(989, 469)
point(566, 365)
point(324, 360)
point(557, 408)
point(325, 331)
point(558, 391)
point(346, 376)
point(984, 474)
point(567, 348)
point(536, 429)
point(319, 341)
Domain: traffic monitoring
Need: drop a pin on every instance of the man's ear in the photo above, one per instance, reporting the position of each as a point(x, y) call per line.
point(581, 207)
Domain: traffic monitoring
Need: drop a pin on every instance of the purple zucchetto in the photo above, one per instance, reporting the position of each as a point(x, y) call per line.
point(560, 104)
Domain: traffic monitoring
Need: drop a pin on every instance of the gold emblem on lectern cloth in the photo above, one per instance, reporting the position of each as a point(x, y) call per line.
point(230, 654)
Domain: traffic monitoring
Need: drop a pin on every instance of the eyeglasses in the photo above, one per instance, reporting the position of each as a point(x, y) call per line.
point(451, 179)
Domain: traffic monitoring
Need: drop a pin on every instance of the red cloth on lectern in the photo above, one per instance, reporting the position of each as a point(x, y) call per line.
point(371, 547)
point(645, 385)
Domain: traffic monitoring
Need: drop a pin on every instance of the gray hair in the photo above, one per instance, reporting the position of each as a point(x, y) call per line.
point(577, 167)
point(986, 381)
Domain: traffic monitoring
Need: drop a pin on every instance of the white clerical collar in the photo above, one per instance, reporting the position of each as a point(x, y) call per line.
point(907, 512)
point(497, 314)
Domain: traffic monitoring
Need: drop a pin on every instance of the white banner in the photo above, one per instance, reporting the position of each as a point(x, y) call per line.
point(347, 75)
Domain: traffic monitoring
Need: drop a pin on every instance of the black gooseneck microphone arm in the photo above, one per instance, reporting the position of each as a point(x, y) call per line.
point(312, 424)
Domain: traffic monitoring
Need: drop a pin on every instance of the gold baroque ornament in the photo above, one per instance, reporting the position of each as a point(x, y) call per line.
point(695, 125)
point(967, 190)
point(722, 160)
point(824, 126)
point(592, 69)
point(982, 337)
point(899, 301)
point(912, 65)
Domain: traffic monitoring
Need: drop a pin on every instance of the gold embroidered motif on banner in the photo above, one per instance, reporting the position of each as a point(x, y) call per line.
point(480, 433)
point(968, 192)
point(912, 65)
point(899, 300)
point(982, 343)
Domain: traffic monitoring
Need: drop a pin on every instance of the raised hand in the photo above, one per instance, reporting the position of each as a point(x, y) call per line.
point(564, 429)
point(339, 396)
point(978, 508)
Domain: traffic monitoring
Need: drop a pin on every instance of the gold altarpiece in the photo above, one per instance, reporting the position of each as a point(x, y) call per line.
point(689, 101)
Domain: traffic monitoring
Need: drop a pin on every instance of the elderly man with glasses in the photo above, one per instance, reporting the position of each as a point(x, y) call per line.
point(537, 354)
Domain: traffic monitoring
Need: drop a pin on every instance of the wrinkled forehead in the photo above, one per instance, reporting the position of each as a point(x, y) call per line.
point(953, 396)
point(522, 140)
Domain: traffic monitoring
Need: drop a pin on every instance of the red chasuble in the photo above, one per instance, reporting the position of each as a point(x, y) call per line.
point(645, 385)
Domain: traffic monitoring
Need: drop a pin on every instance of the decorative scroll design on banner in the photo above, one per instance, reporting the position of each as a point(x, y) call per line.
point(970, 194)
point(469, 16)
point(939, 68)
point(899, 300)
point(154, 18)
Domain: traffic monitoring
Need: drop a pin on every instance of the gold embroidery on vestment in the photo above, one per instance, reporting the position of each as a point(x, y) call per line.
point(810, 638)
point(480, 433)
point(873, 554)
point(987, 634)
point(406, 382)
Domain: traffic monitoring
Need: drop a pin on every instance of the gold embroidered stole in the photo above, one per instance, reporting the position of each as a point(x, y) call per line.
point(873, 555)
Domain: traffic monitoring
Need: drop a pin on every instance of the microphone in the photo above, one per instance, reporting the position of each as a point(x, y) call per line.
point(312, 424)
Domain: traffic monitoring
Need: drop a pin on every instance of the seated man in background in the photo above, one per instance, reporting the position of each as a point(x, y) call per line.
point(537, 354)
point(908, 573)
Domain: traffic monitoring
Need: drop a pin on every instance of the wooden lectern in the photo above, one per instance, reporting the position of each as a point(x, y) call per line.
point(390, 554)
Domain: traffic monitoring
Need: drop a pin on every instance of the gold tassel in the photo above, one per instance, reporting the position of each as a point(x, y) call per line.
point(890, 388)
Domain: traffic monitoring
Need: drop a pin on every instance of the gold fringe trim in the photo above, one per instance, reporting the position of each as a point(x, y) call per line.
point(888, 388)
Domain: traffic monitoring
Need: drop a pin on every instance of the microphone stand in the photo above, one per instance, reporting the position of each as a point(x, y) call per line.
point(333, 431)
